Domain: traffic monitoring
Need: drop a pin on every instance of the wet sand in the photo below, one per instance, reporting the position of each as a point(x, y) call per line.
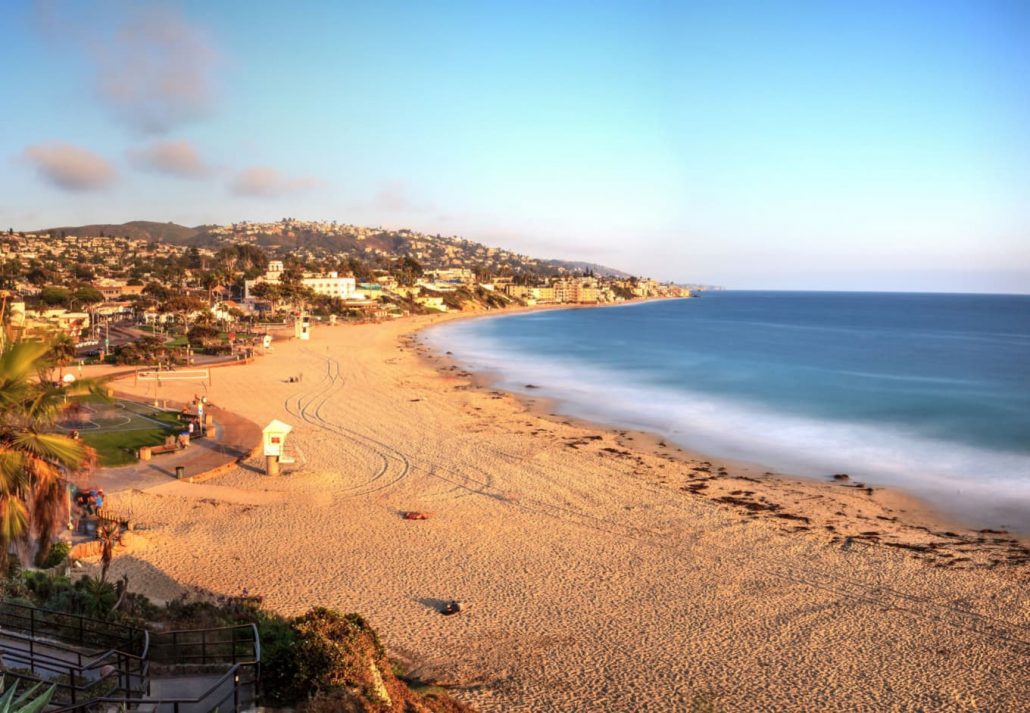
point(603, 570)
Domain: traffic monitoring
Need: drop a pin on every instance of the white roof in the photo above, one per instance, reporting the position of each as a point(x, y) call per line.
point(278, 426)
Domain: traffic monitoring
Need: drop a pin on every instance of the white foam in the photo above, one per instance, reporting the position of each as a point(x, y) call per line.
point(984, 486)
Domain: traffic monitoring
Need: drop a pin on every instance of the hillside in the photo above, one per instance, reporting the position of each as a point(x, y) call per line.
point(432, 251)
point(136, 229)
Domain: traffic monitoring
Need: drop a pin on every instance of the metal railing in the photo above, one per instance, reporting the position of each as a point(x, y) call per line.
point(76, 629)
point(228, 644)
point(38, 644)
point(116, 674)
point(204, 702)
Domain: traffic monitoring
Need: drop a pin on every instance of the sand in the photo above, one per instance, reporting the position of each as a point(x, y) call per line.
point(603, 570)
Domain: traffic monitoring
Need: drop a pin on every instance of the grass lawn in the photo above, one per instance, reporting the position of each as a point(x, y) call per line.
point(116, 448)
point(168, 417)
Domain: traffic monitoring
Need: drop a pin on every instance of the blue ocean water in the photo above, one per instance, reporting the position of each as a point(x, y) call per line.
point(930, 392)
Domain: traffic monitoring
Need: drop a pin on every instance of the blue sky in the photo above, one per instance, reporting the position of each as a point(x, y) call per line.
point(808, 145)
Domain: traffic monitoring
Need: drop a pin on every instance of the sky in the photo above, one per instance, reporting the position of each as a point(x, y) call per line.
point(756, 145)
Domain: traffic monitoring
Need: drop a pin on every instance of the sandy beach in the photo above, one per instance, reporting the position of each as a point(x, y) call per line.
point(603, 570)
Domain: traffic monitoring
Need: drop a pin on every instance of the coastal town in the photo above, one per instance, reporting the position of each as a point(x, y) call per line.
point(77, 281)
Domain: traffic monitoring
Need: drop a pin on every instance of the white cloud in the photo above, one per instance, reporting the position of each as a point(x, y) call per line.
point(172, 158)
point(70, 167)
point(270, 182)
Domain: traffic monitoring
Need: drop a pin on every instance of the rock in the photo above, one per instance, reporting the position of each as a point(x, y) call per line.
point(452, 607)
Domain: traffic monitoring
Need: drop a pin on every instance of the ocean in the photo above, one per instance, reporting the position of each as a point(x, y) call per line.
point(927, 392)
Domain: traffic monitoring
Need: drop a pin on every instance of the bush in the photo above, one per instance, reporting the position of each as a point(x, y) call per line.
point(334, 651)
point(218, 349)
point(201, 334)
point(58, 554)
point(279, 677)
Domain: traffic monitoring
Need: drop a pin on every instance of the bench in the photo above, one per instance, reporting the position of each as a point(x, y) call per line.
point(169, 446)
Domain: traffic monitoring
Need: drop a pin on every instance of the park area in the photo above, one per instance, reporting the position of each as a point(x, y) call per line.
point(117, 429)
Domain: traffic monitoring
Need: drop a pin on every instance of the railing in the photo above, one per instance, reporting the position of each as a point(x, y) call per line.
point(76, 629)
point(227, 644)
point(38, 644)
point(113, 516)
point(232, 680)
point(112, 673)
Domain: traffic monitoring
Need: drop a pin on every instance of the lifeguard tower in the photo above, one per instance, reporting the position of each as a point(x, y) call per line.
point(302, 328)
point(274, 439)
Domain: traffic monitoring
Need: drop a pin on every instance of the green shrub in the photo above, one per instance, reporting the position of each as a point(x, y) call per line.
point(333, 651)
point(58, 554)
point(280, 684)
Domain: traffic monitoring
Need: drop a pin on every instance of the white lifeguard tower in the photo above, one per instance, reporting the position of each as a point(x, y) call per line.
point(302, 328)
point(274, 439)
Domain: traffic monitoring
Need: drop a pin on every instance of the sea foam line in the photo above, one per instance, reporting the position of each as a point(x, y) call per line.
point(967, 480)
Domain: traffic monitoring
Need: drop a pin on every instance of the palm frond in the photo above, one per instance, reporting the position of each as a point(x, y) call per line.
point(52, 447)
point(13, 474)
point(14, 519)
point(20, 361)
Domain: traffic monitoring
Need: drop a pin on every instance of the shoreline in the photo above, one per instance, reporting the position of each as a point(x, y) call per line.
point(895, 500)
point(587, 562)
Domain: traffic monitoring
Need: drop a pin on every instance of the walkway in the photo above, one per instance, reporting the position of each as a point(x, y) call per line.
point(232, 439)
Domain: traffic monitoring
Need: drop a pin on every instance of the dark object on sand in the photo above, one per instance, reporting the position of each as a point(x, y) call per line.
point(452, 607)
point(415, 515)
point(840, 476)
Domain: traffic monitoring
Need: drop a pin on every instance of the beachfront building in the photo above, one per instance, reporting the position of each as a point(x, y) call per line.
point(575, 291)
point(453, 275)
point(330, 284)
point(49, 321)
point(112, 289)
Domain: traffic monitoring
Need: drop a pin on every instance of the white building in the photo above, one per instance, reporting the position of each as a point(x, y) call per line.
point(330, 283)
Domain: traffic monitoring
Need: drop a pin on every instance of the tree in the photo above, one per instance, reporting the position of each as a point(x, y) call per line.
point(209, 280)
point(408, 270)
point(34, 461)
point(156, 291)
point(248, 259)
point(183, 306)
point(86, 295)
point(267, 291)
point(358, 269)
point(62, 350)
point(38, 275)
point(55, 296)
point(109, 535)
point(82, 272)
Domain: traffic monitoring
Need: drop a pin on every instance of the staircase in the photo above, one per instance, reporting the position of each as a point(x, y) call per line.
point(100, 666)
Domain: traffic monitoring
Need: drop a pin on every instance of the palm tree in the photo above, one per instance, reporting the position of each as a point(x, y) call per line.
point(109, 535)
point(34, 461)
